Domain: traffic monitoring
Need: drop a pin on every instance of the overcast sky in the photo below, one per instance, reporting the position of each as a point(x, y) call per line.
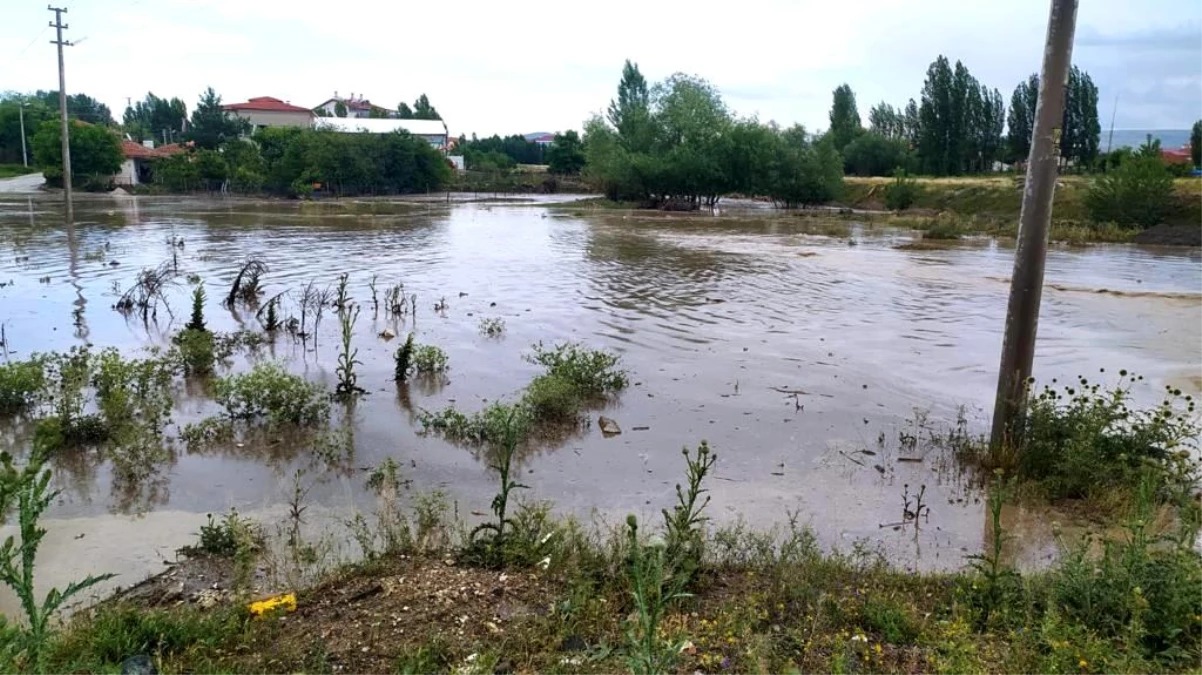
point(519, 66)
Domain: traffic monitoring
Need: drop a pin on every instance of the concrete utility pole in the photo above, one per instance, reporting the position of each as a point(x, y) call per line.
point(21, 116)
point(62, 107)
point(1026, 283)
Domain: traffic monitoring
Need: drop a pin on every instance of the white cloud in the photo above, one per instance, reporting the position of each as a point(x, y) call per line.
point(525, 65)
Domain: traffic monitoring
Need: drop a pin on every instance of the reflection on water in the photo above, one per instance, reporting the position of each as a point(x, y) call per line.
point(713, 316)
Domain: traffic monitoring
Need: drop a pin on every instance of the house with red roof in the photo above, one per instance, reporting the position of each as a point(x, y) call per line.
point(139, 158)
point(1179, 156)
point(356, 107)
point(265, 111)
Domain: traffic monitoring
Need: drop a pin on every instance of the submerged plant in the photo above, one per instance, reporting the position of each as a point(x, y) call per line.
point(273, 394)
point(403, 359)
point(343, 298)
point(148, 292)
point(346, 358)
point(594, 372)
point(246, 282)
point(20, 384)
point(197, 321)
point(269, 314)
point(492, 327)
point(429, 360)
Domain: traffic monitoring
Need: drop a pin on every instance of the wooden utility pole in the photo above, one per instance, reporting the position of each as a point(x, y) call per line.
point(62, 107)
point(1026, 283)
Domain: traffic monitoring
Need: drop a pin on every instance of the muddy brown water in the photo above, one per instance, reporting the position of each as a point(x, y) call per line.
point(712, 315)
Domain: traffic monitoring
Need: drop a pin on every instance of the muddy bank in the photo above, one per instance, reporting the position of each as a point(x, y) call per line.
point(1171, 235)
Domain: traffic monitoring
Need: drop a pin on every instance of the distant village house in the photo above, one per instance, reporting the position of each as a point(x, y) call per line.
point(356, 107)
point(139, 157)
point(265, 111)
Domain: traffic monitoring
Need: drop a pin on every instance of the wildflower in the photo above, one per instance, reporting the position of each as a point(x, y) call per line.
point(859, 637)
point(878, 648)
point(1083, 664)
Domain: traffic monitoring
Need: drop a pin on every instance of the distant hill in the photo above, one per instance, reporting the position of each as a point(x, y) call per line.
point(531, 137)
point(1170, 139)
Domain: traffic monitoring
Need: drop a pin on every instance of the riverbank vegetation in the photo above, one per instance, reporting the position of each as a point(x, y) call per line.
point(530, 593)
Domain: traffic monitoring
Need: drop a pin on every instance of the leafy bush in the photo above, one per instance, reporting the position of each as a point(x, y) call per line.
point(902, 192)
point(492, 327)
point(872, 154)
point(403, 360)
point(1134, 591)
point(196, 351)
point(20, 383)
point(593, 372)
point(942, 230)
point(553, 398)
point(429, 359)
point(891, 621)
point(485, 427)
point(268, 391)
point(223, 537)
point(1139, 193)
point(1085, 441)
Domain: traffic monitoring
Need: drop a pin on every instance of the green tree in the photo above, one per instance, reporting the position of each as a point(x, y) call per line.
point(403, 111)
point(35, 112)
point(1195, 144)
point(845, 118)
point(1139, 193)
point(339, 109)
point(154, 118)
point(630, 113)
point(872, 154)
point(1081, 129)
point(79, 107)
point(422, 110)
point(211, 125)
point(884, 120)
point(1021, 119)
point(95, 153)
point(566, 154)
point(935, 119)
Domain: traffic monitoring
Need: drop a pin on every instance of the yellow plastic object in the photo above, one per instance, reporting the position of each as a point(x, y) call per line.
point(286, 602)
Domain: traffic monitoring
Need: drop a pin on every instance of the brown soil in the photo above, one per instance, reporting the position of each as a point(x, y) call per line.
point(1171, 235)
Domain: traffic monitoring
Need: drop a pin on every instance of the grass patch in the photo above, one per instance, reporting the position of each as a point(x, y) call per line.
point(14, 170)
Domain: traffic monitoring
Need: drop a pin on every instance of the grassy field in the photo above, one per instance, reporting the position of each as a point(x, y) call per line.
point(1000, 198)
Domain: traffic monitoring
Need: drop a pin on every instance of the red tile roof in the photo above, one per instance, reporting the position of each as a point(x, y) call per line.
point(135, 150)
point(1181, 156)
point(267, 104)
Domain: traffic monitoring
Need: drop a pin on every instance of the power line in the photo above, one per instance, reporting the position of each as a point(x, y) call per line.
point(21, 53)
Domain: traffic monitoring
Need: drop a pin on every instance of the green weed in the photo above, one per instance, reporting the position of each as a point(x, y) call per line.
point(593, 372)
point(684, 524)
point(29, 488)
point(347, 387)
point(270, 393)
point(488, 540)
point(653, 587)
point(403, 360)
point(197, 351)
point(429, 360)
point(21, 383)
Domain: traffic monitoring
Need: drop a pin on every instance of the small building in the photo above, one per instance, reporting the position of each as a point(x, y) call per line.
point(265, 111)
point(1180, 156)
point(356, 107)
point(136, 168)
point(541, 138)
point(433, 131)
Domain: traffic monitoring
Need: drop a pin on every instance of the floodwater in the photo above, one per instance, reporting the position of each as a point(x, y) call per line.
point(713, 316)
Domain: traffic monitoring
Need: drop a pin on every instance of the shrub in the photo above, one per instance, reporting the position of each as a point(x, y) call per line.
point(268, 391)
point(223, 537)
point(196, 351)
point(197, 320)
point(492, 327)
point(945, 230)
point(902, 192)
point(20, 383)
point(429, 359)
point(1085, 441)
point(1139, 193)
point(891, 621)
point(593, 372)
point(553, 398)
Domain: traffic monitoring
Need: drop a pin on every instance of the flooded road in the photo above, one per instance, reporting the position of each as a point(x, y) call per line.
point(717, 319)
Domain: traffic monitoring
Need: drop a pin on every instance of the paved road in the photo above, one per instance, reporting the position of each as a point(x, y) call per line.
point(27, 183)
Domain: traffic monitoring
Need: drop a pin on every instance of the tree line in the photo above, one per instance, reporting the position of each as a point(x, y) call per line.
point(960, 126)
point(677, 145)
